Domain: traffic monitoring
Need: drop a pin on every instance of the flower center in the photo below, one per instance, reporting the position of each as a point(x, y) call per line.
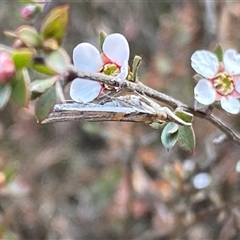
point(223, 83)
point(110, 69)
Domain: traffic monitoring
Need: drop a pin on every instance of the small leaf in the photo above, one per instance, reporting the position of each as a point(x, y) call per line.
point(5, 93)
point(186, 138)
point(45, 104)
point(59, 92)
point(136, 63)
point(35, 95)
point(185, 116)
point(22, 58)
point(58, 60)
point(197, 77)
point(169, 135)
point(10, 34)
point(27, 34)
point(42, 85)
point(20, 88)
point(172, 128)
point(219, 52)
point(55, 24)
point(41, 68)
point(102, 37)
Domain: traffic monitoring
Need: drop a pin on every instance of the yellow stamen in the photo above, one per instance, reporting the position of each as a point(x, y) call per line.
point(223, 83)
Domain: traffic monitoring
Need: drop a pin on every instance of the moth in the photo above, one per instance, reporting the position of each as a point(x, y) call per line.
point(129, 108)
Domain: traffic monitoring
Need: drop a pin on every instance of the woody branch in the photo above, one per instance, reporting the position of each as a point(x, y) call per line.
point(147, 91)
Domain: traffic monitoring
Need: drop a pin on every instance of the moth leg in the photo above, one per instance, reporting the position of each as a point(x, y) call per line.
point(104, 99)
point(171, 116)
point(174, 118)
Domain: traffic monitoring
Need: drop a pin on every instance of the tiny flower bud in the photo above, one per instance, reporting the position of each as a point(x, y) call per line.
point(50, 45)
point(7, 67)
point(28, 12)
point(18, 44)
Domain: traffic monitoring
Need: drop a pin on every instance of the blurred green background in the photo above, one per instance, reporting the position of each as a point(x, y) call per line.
point(114, 180)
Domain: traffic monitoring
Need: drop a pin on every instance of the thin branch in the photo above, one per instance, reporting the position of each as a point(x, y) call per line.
point(147, 91)
point(127, 85)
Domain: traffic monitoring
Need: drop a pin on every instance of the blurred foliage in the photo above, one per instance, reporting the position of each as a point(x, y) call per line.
point(114, 180)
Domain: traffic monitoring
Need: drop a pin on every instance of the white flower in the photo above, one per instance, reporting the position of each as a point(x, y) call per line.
point(87, 58)
point(221, 80)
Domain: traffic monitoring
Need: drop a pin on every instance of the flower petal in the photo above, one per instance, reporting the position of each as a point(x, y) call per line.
point(237, 85)
point(83, 90)
point(123, 71)
point(231, 60)
point(86, 57)
point(230, 104)
point(204, 92)
point(116, 48)
point(205, 63)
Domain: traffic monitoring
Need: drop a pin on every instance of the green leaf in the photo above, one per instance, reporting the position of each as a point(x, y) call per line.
point(29, 36)
point(20, 88)
point(197, 77)
point(185, 116)
point(58, 60)
point(169, 135)
point(136, 63)
point(42, 85)
point(35, 95)
point(186, 138)
point(10, 34)
point(41, 68)
point(45, 104)
point(5, 93)
point(55, 24)
point(102, 37)
point(219, 52)
point(22, 58)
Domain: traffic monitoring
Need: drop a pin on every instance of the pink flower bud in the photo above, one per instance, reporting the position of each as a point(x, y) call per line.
point(18, 44)
point(7, 67)
point(28, 12)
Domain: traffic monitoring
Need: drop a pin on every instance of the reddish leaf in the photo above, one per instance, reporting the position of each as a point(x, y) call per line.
point(55, 24)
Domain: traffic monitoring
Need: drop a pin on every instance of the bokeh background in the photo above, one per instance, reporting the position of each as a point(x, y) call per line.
point(114, 180)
